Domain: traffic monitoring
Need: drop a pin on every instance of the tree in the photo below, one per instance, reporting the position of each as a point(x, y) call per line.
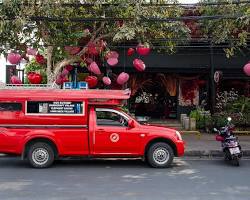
point(56, 24)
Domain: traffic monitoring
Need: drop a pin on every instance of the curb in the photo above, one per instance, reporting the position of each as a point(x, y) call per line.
point(211, 153)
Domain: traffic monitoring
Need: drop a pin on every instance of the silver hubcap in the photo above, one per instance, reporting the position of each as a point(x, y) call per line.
point(161, 156)
point(40, 156)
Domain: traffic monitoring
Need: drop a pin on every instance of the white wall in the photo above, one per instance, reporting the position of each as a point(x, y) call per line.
point(2, 69)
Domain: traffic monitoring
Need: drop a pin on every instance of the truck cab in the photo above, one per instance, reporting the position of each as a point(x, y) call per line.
point(42, 125)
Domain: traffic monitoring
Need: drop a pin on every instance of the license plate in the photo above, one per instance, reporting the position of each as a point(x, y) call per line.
point(234, 150)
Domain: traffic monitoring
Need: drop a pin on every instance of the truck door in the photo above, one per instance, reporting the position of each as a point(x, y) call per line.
point(112, 136)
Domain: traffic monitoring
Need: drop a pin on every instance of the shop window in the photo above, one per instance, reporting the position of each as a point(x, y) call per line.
point(10, 107)
point(55, 107)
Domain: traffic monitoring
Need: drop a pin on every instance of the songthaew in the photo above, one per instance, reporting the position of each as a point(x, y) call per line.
point(44, 124)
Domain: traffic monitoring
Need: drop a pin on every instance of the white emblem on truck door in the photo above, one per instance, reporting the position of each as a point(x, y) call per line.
point(114, 137)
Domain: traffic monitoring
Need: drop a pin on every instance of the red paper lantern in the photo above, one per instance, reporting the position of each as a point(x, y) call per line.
point(35, 78)
point(139, 65)
point(65, 72)
point(142, 50)
point(15, 80)
point(40, 59)
point(122, 78)
point(130, 51)
point(92, 49)
point(72, 50)
point(106, 80)
point(92, 81)
point(59, 80)
point(112, 54)
point(14, 58)
point(247, 69)
point(69, 67)
point(93, 67)
point(112, 61)
point(31, 52)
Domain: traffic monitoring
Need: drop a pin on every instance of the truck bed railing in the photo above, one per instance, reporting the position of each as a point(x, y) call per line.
point(29, 86)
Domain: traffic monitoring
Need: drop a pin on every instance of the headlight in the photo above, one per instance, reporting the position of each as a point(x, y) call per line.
point(178, 135)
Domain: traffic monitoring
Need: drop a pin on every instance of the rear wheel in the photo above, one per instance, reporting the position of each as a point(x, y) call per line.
point(160, 155)
point(40, 155)
point(236, 161)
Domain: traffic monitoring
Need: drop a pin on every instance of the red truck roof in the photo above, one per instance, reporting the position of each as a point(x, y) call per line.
point(93, 96)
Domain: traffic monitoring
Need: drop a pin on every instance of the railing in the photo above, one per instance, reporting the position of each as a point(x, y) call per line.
point(29, 86)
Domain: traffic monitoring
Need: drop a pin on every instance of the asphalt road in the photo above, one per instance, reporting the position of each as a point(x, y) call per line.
point(124, 180)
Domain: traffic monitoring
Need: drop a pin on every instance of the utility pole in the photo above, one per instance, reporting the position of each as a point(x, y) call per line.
point(212, 84)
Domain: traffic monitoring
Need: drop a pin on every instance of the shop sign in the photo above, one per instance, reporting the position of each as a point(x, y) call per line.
point(217, 76)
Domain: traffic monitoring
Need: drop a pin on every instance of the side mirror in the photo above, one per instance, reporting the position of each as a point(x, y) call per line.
point(131, 123)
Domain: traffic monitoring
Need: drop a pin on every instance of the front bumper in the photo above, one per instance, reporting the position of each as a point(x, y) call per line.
point(180, 147)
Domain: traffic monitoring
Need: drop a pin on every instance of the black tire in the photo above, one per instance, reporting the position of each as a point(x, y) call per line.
point(41, 155)
point(160, 155)
point(236, 161)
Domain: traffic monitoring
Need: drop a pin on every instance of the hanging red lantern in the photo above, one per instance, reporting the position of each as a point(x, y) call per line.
point(106, 80)
point(92, 50)
point(72, 50)
point(15, 80)
point(247, 69)
point(142, 50)
point(35, 78)
point(14, 58)
point(40, 59)
point(112, 61)
point(93, 67)
point(59, 80)
point(69, 67)
point(92, 81)
point(122, 78)
point(31, 51)
point(65, 72)
point(139, 65)
point(130, 52)
point(112, 54)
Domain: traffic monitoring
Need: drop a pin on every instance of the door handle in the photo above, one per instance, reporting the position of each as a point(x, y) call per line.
point(101, 129)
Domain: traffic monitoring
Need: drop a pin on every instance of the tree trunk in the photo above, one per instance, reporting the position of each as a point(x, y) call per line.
point(49, 64)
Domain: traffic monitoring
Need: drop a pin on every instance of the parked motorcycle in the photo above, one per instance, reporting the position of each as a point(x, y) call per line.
point(230, 144)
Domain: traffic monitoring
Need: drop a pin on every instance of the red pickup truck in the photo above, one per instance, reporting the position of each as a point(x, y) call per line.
point(42, 125)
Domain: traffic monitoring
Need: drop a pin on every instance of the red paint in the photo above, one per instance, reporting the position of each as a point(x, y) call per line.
point(77, 135)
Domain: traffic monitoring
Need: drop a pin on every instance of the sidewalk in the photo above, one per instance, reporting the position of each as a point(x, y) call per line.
point(205, 145)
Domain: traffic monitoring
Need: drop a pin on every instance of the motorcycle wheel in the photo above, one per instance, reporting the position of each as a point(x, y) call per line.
point(236, 161)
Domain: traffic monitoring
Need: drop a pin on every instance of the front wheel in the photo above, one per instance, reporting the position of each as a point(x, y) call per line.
point(40, 155)
point(160, 155)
